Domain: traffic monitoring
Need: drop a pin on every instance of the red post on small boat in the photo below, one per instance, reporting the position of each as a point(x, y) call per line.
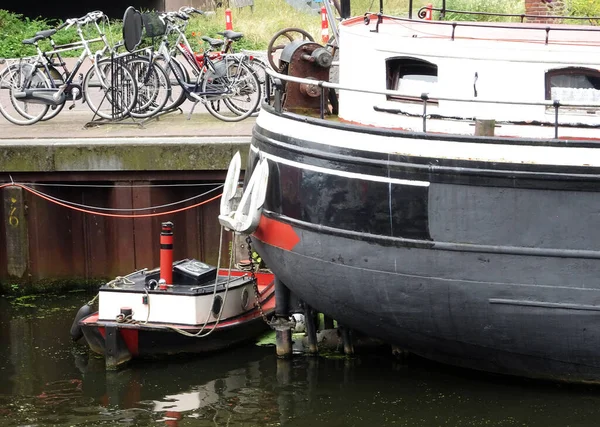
point(428, 11)
point(324, 25)
point(166, 252)
point(228, 20)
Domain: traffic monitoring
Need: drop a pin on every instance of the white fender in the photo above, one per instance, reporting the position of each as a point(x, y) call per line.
point(231, 185)
point(246, 217)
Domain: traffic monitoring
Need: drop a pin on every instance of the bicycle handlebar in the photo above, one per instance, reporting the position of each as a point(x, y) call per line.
point(86, 19)
point(65, 24)
point(189, 10)
point(170, 15)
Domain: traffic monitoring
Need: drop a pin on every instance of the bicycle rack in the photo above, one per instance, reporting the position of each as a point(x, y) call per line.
point(117, 63)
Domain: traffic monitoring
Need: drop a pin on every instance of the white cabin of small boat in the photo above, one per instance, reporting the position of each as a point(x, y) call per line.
point(511, 73)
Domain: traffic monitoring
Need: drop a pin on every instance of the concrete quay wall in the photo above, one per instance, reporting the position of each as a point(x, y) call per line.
point(114, 171)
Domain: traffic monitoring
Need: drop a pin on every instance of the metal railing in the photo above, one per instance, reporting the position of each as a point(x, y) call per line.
point(426, 98)
point(455, 25)
point(443, 10)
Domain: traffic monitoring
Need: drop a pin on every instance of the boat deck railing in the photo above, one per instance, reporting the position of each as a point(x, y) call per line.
point(422, 13)
point(426, 98)
point(456, 25)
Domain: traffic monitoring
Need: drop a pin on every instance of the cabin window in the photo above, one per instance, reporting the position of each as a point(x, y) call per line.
point(574, 84)
point(412, 77)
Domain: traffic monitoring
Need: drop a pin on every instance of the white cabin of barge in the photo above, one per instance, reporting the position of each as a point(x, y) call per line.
point(519, 69)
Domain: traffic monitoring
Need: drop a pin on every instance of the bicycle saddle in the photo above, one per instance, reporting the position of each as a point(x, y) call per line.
point(40, 35)
point(46, 33)
point(231, 35)
point(213, 42)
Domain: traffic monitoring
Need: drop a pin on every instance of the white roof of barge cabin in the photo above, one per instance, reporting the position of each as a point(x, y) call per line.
point(571, 35)
point(567, 44)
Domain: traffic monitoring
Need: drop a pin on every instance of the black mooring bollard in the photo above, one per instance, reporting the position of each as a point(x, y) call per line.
point(282, 299)
point(282, 324)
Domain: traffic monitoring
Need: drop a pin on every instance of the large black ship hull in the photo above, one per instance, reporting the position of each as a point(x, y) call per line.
point(488, 265)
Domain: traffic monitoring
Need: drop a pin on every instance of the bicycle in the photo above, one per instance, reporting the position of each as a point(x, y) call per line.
point(29, 87)
point(234, 105)
point(256, 60)
point(217, 77)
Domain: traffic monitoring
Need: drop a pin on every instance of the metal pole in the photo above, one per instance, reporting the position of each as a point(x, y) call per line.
point(347, 341)
point(311, 330)
point(332, 21)
point(424, 97)
point(322, 106)
point(556, 104)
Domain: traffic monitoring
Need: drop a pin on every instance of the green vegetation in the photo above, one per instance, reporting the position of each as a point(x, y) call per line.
point(583, 8)
point(258, 25)
point(269, 16)
point(512, 7)
point(14, 28)
point(575, 8)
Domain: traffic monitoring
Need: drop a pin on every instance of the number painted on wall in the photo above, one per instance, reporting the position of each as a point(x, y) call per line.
point(13, 220)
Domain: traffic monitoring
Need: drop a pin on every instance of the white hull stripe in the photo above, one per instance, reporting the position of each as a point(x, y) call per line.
point(352, 175)
point(499, 153)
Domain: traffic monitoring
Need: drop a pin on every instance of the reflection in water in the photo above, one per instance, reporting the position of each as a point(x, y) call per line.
point(48, 381)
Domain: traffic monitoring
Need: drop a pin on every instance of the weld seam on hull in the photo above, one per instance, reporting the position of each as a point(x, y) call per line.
point(543, 304)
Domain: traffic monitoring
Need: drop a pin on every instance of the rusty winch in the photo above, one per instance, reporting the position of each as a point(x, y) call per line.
point(306, 59)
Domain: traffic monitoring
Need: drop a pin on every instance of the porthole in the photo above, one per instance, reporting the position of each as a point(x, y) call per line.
point(245, 298)
point(217, 304)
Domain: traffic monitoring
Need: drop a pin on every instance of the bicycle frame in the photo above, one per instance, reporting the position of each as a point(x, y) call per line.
point(44, 59)
point(192, 90)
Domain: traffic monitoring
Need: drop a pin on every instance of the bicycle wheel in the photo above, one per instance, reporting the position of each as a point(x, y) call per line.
point(110, 90)
point(18, 78)
point(153, 87)
point(177, 73)
point(245, 99)
point(231, 92)
point(259, 68)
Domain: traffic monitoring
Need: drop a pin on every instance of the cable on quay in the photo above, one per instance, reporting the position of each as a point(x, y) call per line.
point(105, 214)
point(167, 205)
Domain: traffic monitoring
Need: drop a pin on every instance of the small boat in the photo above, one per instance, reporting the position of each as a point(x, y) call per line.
point(141, 316)
point(447, 202)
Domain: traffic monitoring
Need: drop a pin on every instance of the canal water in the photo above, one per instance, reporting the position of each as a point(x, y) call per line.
point(46, 380)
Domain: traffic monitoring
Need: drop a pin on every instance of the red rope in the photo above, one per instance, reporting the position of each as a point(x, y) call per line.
point(32, 191)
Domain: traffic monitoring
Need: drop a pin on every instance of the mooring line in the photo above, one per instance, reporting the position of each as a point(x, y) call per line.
point(91, 212)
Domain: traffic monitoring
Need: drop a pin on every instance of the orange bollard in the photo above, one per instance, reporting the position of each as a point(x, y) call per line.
point(428, 11)
point(228, 20)
point(324, 25)
point(166, 253)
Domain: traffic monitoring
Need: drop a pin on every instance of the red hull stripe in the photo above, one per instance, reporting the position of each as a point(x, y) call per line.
point(276, 234)
point(130, 336)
